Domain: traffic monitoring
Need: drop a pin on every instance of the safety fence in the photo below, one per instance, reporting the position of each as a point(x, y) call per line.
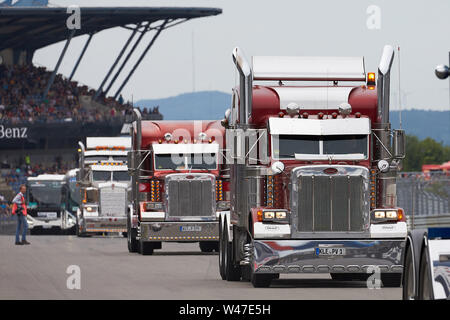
point(7, 224)
point(425, 198)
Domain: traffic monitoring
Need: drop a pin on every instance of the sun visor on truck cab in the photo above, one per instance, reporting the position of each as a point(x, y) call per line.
point(109, 142)
point(315, 127)
point(309, 68)
point(169, 148)
point(313, 98)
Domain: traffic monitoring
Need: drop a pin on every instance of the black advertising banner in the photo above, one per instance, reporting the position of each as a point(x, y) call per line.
point(24, 136)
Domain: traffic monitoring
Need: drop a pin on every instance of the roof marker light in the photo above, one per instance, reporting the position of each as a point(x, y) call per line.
point(371, 79)
point(345, 109)
point(305, 115)
point(167, 136)
point(202, 136)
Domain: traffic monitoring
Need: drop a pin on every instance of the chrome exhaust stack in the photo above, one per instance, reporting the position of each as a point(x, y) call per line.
point(245, 85)
point(138, 116)
point(136, 155)
point(387, 179)
point(81, 159)
point(383, 83)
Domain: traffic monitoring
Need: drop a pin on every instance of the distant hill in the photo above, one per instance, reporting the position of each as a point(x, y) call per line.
point(424, 123)
point(208, 105)
point(202, 105)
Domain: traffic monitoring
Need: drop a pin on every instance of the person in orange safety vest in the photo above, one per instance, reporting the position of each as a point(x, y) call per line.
point(20, 209)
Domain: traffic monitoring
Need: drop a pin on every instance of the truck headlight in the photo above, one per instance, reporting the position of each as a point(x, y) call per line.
point(391, 214)
point(269, 215)
point(275, 216)
point(379, 214)
point(91, 209)
point(153, 206)
point(281, 215)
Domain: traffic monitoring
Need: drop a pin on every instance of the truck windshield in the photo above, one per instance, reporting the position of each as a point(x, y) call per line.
point(44, 193)
point(121, 176)
point(101, 176)
point(286, 146)
point(192, 161)
point(345, 144)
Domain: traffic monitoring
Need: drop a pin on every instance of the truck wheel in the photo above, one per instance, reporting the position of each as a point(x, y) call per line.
point(146, 248)
point(391, 280)
point(209, 246)
point(232, 272)
point(349, 276)
point(221, 252)
point(261, 280)
point(205, 246)
point(425, 284)
point(409, 290)
point(133, 244)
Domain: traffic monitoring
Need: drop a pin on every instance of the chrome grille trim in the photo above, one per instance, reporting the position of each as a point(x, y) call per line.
point(113, 201)
point(190, 196)
point(330, 204)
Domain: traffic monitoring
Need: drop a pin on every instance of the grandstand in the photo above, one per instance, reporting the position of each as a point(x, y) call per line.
point(44, 114)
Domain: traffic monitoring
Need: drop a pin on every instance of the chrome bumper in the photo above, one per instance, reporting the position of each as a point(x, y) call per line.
point(180, 231)
point(43, 224)
point(104, 224)
point(302, 256)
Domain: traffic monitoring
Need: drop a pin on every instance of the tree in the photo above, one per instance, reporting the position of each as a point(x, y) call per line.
point(427, 151)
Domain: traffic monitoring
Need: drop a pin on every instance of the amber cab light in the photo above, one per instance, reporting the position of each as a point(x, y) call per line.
point(260, 215)
point(371, 79)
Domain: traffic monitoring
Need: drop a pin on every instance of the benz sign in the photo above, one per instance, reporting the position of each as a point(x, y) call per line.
point(13, 133)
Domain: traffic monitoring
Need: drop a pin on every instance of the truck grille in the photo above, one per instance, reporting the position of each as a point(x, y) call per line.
point(190, 195)
point(335, 202)
point(113, 201)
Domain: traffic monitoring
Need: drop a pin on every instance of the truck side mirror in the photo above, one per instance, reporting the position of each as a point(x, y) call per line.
point(130, 159)
point(398, 144)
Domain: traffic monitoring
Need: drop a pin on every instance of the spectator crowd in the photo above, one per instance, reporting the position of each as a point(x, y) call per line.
point(21, 100)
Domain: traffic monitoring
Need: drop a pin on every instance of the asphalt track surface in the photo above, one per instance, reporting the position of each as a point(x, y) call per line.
point(178, 271)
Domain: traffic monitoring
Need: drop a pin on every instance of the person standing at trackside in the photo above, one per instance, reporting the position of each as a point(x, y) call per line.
point(20, 208)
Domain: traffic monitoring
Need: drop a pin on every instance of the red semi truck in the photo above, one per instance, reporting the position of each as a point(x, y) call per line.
point(313, 164)
point(179, 184)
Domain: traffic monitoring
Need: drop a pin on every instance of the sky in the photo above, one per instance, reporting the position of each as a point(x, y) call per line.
point(196, 55)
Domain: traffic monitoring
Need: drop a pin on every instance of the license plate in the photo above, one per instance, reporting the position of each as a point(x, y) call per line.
point(49, 215)
point(46, 226)
point(330, 251)
point(190, 228)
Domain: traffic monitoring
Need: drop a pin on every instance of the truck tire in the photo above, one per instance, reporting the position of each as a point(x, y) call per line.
point(133, 244)
point(205, 246)
point(232, 271)
point(409, 290)
point(261, 280)
point(209, 246)
point(222, 252)
point(146, 248)
point(349, 276)
point(391, 280)
point(425, 282)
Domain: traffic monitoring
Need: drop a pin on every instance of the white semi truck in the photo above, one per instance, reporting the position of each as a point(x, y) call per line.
point(104, 185)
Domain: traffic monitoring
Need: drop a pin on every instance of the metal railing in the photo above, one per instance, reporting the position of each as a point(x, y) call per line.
point(425, 198)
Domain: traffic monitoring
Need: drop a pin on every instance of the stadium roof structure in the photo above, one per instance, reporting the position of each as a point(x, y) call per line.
point(31, 28)
point(37, 27)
